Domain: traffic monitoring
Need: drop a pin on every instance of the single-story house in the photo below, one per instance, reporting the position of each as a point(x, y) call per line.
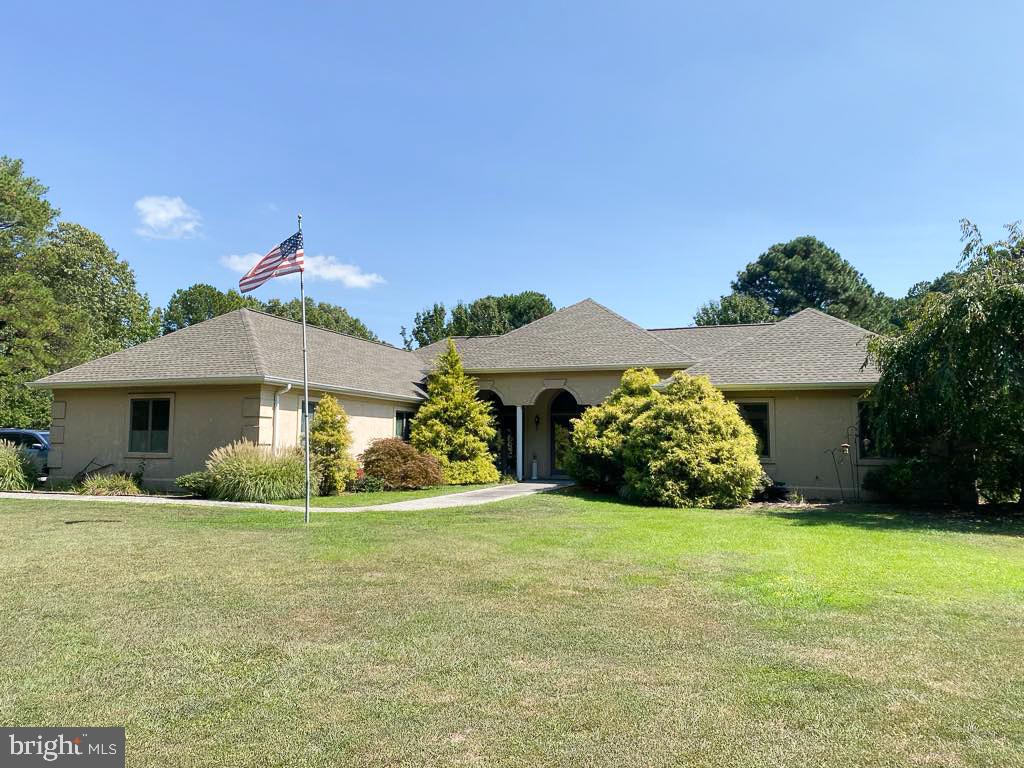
point(170, 401)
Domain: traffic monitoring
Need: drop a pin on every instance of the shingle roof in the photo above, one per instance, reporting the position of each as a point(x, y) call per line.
point(703, 341)
point(583, 335)
point(808, 348)
point(246, 345)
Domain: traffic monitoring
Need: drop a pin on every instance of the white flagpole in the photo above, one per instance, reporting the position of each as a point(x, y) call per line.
point(305, 378)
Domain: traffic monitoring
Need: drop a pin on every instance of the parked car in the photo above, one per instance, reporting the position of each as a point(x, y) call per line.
point(36, 443)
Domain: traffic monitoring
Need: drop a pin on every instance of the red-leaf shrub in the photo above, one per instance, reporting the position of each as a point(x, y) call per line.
point(400, 466)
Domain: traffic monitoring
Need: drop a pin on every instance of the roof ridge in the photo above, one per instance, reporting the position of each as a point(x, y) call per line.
point(627, 321)
point(842, 320)
point(321, 328)
point(716, 325)
point(254, 347)
point(766, 327)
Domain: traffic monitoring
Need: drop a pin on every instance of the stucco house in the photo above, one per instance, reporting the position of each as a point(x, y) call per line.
point(170, 401)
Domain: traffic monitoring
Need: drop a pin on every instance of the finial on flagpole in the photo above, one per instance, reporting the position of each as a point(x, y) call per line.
point(300, 222)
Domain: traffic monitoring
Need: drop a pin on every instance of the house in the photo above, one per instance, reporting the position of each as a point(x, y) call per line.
point(170, 401)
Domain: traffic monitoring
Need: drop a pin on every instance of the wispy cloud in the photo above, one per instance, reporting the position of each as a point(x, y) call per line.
point(166, 218)
point(321, 267)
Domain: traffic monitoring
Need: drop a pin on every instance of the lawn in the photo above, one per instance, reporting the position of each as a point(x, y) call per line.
point(544, 630)
point(382, 497)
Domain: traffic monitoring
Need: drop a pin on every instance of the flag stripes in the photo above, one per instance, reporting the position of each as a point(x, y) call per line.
point(285, 259)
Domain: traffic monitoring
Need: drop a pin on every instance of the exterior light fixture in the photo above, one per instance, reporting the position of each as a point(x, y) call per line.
point(536, 421)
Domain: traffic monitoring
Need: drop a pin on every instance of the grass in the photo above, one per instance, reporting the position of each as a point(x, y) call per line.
point(382, 497)
point(545, 630)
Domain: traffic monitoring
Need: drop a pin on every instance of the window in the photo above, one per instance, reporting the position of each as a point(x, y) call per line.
point(150, 427)
point(867, 443)
point(310, 406)
point(756, 415)
point(403, 424)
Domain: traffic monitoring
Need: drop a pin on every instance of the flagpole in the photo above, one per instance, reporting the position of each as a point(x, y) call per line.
point(305, 379)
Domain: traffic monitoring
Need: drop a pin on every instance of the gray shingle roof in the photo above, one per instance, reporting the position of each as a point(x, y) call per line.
point(583, 335)
point(808, 348)
point(246, 345)
point(703, 341)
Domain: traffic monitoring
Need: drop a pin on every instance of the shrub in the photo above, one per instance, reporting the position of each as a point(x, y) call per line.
point(684, 446)
point(244, 471)
point(329, 443)
point(454, 426)
point(917, 480)
point(117, 484)
point(17, 471)
point(196, 483)
point(400, 466)
point(768, 490)
point(367, 484)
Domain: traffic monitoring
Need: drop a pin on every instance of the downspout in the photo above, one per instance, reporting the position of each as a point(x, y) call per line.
point(277, 408)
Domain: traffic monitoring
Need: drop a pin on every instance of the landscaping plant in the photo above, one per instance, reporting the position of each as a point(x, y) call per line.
point(329, 444)
point(117, 484)
point(454, 426)
point(244, 471)
point(17, 471)
point(683, 446)
point(399, 466)
point(196, 483)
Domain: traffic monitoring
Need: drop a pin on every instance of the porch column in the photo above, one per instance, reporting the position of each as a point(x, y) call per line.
point(519, 442)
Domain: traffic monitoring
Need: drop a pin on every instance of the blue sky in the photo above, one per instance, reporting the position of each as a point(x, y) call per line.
point(638, 153)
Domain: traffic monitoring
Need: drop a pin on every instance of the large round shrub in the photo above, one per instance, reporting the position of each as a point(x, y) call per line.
point(400, 466)
point(684, 445)
point(244, 471)
point(16, 468)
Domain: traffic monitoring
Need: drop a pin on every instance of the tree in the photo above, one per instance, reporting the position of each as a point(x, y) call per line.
point(200, 302)
point(951, 386)
point(807, 273)
point(25, 214)
point(681, 446)
point(321, 314)
point(734, 309)
point(329, 444)
point(453, 425)
point(487, 316)
point(81, 271)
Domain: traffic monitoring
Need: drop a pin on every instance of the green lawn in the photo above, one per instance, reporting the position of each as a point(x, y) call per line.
point(546, 630)
point(383, 497)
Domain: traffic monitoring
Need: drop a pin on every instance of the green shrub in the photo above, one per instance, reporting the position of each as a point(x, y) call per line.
point(367, 484)
point(244, 471)
point(681, 447)
point(918, 480)
point(329, 443)
point(400, 466)
point(17, 471)
point(454, 426)
point(117, 484)
point(196, 483)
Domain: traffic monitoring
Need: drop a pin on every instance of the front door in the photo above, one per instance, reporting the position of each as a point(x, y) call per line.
point(564, 409)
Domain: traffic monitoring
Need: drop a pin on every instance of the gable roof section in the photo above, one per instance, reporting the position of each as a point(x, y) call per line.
point(585, 335)
point(808, 349)
point(703, 341)
point(246, 346)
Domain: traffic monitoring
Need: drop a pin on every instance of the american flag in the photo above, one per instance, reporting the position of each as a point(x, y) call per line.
point(286, 258)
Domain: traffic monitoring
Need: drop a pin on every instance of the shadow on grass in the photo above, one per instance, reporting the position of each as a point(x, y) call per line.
point(1004, 521)
point(996, 520)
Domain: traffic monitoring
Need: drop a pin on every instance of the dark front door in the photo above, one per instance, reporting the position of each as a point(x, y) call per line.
point(564, 409)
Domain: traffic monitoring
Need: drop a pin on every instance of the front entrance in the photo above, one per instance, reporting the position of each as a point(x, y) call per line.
point(564, 409)
point(503, 446)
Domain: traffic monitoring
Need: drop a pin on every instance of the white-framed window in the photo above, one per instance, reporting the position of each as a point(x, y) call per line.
point(150, 420)
point(760, 415)
point(403, 424)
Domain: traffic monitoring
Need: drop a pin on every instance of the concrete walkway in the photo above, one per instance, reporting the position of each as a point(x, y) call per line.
point(446, 501)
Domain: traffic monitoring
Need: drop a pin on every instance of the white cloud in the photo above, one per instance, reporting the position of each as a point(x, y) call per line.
point(321, 267)
point(166, 218)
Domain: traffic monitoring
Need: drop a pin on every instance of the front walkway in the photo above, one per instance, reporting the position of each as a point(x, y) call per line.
point(463, 499)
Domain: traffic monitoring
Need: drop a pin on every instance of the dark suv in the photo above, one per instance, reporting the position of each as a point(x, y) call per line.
point(36, 443)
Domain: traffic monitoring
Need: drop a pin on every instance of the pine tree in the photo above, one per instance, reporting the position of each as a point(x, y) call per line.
point(329, 443)
point(454, 425)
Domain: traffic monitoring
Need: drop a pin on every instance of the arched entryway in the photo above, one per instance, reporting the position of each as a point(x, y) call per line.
point(564, 408)
point(503, 446)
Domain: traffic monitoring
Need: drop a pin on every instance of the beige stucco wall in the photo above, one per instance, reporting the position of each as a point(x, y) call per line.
point(92, 424)
point(368, 419)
